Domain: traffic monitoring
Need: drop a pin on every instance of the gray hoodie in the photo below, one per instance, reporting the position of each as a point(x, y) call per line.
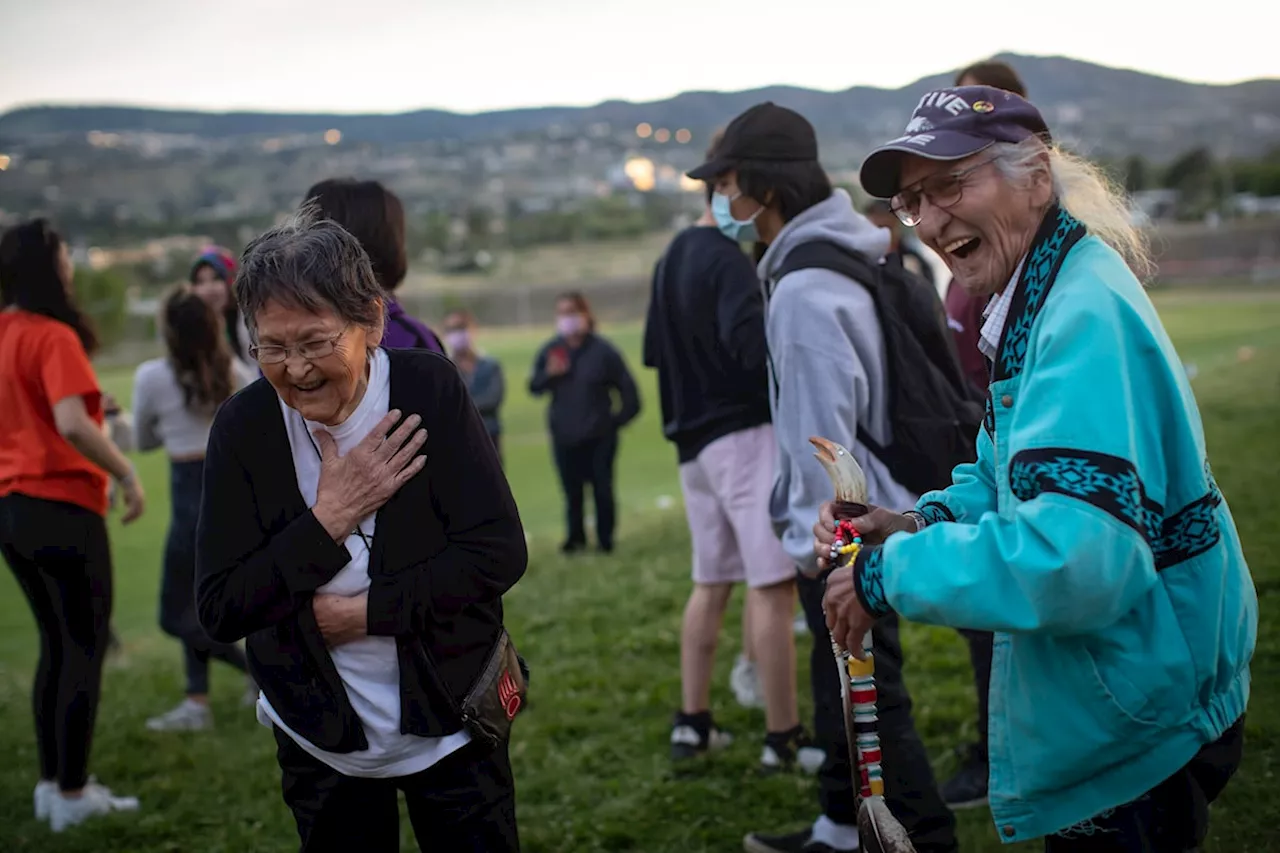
point(828, 371)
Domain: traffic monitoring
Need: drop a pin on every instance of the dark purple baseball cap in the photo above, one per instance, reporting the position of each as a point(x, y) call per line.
point(951, 124)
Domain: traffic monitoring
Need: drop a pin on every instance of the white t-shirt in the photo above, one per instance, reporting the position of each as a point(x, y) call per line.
point(369, 667)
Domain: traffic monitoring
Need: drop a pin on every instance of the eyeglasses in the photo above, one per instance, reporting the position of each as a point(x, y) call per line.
point(310, 350)
point(943, 190)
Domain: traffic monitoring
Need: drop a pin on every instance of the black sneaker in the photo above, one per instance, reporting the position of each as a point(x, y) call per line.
point(572, 546)
point(967, 789)
point(695, 734)
point(796, 842)
point(784, 750)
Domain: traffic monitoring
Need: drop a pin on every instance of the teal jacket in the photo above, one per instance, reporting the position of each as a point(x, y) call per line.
point(1091, 537)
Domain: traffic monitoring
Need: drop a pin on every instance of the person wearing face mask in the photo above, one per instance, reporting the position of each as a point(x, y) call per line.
point(827, 377)
point(483, 373)
point(1090, 534)
point(704, 334)
point(583, 373)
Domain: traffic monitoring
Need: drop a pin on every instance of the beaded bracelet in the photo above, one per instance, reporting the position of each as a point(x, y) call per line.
point(848, 543)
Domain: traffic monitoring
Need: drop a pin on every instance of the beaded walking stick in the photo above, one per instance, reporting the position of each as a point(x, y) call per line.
point(879, 830)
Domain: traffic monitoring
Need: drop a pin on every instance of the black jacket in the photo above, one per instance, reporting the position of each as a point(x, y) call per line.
point(705, 335)
point(445, 549)
point(582, 400)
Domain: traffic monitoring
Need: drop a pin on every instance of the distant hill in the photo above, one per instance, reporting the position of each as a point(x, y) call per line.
point(1108, 111)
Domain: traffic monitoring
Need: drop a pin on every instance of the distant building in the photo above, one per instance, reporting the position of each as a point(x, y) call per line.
point(1151, 205)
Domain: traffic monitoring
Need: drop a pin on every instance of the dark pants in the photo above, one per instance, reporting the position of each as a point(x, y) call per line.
point(579, 464)
point(1173, 817)
point(910, 789)
point(464, 804)
point(61, 557)
point(177, 586)
point(980, 645)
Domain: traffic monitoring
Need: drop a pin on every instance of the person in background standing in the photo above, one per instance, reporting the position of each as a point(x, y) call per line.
point(483, 373)
point(55, 459)
point(966, 313)
point(375, 216)
point(213, 279)
point(828, 376)
point(901, 242)
point(705, 336)
point(582, 371)
point(174, 400)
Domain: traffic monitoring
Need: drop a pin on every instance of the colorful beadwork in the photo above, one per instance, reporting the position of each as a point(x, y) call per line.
point(847, 545)
point(862, 698)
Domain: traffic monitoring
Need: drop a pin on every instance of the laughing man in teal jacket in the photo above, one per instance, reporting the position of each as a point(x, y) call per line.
point(1089, 534)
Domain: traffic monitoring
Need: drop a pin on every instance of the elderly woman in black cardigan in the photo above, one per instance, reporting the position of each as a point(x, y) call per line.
point(356, 528)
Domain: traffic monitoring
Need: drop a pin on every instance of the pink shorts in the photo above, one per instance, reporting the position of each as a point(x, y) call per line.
point(726, 498)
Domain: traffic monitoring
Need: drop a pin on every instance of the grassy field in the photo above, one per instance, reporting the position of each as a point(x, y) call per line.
point(602, 637)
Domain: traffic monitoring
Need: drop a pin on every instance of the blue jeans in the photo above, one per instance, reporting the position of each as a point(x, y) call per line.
point(177, 586)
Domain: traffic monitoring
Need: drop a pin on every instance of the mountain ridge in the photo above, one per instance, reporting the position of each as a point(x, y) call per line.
point(1114, 110)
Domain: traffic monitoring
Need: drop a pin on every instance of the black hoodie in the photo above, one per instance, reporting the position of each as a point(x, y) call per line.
point(705, 335)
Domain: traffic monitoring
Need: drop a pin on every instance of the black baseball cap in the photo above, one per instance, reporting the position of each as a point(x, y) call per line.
point(951, 124)
point(765, 132)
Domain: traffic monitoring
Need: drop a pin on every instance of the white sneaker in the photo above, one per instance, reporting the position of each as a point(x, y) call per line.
point(746, 684)
point(46, 789)
point(188, 716)
point(94, 800)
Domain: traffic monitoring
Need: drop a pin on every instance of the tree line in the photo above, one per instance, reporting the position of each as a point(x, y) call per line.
point(1202, 182)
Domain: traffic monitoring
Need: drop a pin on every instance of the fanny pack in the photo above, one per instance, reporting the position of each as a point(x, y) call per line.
point(498, 694)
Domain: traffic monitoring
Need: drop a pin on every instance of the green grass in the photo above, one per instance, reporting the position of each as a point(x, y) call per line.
point(603, 639)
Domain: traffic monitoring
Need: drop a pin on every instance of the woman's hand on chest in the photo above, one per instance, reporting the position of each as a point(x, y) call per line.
point(341, 618)
point(356, 485)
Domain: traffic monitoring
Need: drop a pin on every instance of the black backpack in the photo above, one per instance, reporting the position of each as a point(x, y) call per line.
point(934, 411)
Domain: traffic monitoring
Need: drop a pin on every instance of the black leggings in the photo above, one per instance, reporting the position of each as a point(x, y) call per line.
point(61, 557)
point(588, 462)
point(177, 587)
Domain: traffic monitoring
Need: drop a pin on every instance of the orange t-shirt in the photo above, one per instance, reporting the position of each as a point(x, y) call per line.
point(42, 362)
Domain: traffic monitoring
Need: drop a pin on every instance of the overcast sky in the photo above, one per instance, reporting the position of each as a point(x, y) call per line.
point(473, 55)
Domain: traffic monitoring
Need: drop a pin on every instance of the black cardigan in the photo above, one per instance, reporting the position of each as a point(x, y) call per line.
point(445, 549)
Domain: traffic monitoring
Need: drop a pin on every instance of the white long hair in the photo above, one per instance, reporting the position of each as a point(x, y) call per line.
point(1086, 192)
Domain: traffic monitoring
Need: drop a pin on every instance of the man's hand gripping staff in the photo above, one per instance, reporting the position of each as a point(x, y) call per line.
point(880, 831)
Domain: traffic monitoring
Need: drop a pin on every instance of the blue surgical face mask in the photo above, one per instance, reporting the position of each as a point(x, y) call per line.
point(743, 231)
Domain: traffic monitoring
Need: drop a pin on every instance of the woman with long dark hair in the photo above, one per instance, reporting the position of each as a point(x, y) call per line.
point(174, 400)
point(582, 371)
point(55, 459)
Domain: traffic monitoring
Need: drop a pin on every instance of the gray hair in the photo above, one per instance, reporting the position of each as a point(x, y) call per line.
point(313, 264)
point(1087, 194)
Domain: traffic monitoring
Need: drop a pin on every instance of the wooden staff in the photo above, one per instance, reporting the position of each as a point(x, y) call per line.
point(879, 830)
